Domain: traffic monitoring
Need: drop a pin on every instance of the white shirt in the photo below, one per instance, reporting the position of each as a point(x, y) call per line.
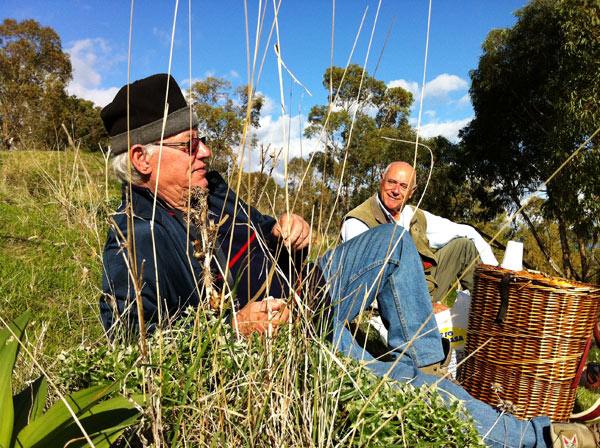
point(440, 231)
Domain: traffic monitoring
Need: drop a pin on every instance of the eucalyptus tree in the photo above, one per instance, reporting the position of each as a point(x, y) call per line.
point(33, 74)
point(360, 111)
point(535, 95)
point(222, 113)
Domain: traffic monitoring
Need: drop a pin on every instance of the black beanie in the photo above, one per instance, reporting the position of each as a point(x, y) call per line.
point(146, 112)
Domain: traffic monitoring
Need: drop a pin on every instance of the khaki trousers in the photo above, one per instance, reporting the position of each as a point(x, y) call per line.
point(453, 260)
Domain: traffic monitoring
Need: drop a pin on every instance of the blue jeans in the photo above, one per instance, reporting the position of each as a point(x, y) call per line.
point(384, 264)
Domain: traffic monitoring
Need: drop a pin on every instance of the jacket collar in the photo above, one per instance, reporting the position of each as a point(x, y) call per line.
point(143, 201)
point(378, 210)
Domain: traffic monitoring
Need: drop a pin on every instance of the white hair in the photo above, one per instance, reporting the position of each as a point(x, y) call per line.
point(120, 166)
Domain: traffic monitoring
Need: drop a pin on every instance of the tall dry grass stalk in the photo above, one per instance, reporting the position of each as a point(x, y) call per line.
point(269, 385)
point(208, 387)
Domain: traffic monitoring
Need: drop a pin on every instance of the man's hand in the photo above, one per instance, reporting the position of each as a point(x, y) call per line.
point(261, 317)
point(294, 231)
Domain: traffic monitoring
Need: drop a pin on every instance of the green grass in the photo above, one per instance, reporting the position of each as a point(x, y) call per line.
point(207, 388)
point(51, 235)
point(586, 398)
point(45, 269)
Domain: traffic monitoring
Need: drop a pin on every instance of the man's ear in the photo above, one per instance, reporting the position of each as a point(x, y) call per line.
point(412, 191)
point(140, 159)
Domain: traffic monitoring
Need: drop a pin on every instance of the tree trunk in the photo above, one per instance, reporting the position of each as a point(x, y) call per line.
point(585, 264)
point(564, 244)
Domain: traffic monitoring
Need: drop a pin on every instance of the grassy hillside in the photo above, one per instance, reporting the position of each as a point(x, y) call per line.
point(290, 390)
point(207, 388)
point(52, 229)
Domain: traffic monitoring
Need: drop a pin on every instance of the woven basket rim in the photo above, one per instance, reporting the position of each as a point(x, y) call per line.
point(538, 278)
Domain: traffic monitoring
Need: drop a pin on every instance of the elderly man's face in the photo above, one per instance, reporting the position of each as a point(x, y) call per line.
point(396, 187)
point(178, 168)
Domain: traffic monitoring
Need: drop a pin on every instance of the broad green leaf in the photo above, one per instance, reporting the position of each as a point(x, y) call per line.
point(103, 423)
point(107, 438)
point(9, 347)
point(29, 404)
point(18, 326)
point(58, 416)
point(104, 438)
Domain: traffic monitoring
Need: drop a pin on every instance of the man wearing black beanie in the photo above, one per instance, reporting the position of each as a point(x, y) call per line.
point(166, 171)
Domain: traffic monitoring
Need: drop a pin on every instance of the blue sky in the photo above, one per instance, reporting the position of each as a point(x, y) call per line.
point(96, 35)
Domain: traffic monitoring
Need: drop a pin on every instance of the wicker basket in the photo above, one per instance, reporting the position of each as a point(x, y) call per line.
point(527, 340)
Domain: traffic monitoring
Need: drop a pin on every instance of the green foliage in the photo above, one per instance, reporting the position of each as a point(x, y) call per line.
point(257, 392)
point(361, 110)
point(536, 101)
point(223, 114)
point(82, 120)
point(586, 398)
point(9, 348)
point(392, 416)
point(34, 72)
point(23, 423)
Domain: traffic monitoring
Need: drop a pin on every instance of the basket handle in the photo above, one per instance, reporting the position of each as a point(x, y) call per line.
point(504, 296)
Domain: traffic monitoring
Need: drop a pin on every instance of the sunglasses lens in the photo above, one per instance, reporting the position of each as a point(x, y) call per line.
point(194, 145)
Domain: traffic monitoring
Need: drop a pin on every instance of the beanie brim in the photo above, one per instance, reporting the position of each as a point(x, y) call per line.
point(177, 122)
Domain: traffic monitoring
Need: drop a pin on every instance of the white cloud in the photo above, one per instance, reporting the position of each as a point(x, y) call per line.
point(271, 132)
point(100, 97)
point(448, 129)
point(412, 87)
point(465, 100)
point(444, 84)
point(89, 58)
point(268, 104)
point(437, 88)
point(233, 74)
point(430, 113)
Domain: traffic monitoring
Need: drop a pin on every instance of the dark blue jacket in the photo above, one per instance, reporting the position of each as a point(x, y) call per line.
point(176, 282)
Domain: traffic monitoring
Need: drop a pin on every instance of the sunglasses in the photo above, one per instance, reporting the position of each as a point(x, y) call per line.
point(191, 146)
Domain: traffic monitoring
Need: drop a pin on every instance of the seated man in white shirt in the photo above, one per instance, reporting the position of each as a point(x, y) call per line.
point(455, 245)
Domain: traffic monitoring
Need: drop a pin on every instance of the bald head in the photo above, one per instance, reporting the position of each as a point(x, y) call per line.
point(396, 187)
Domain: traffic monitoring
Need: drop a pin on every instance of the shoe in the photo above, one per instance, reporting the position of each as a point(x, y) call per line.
point(441, 368)
point(575, 435)
point(590, 377)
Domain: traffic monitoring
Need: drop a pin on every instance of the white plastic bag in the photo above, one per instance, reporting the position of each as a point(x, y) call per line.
point(453, 325)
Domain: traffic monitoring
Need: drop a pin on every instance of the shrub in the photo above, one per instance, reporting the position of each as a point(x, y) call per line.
point(213, 388)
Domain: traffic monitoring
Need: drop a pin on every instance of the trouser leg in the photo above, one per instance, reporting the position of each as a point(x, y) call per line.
point(454, 260)
point(383, 264)
point(497, 428)
point(359, 272)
